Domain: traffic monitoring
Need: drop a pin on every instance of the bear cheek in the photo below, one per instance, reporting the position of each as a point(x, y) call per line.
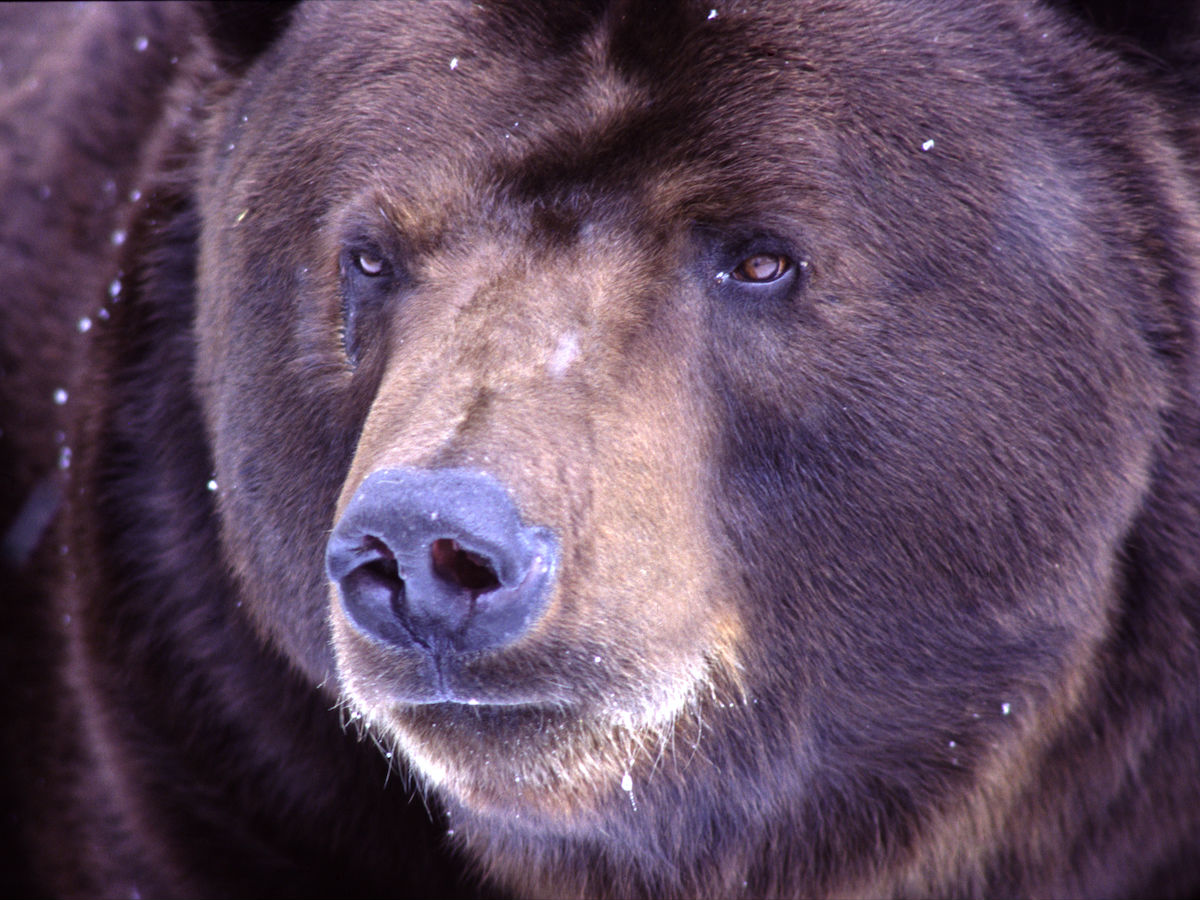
point(598, 440)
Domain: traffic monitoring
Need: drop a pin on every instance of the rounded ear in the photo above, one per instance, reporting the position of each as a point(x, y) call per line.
point(241, 30)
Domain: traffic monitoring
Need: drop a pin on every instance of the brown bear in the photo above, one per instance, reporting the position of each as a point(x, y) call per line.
point(688, 449)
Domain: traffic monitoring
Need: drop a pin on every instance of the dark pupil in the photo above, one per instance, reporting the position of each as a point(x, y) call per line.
point(760, 267)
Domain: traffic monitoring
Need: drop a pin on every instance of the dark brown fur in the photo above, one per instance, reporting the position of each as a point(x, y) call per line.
point(883, 580)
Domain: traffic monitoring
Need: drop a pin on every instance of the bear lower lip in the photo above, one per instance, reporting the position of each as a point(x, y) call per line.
point(457, 687)
point(452, 701)
point(425, 676)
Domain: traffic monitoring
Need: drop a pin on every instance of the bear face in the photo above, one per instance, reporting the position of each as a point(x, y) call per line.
point(718, 452)
point(820, 375)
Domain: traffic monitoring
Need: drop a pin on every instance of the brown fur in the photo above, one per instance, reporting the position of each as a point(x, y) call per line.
point(877, 580)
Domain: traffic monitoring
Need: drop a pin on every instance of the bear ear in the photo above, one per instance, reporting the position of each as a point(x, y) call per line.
point(241, 30)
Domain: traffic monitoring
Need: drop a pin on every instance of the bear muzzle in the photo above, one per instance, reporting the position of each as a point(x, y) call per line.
point(438, 560)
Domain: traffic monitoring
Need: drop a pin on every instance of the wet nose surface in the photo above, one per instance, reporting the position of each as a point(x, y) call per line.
point(440, 559)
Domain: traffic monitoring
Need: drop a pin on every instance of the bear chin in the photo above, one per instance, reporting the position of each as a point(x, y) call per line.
point(555, 761)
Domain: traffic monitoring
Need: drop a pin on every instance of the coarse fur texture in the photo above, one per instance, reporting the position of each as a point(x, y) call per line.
point(822, 374)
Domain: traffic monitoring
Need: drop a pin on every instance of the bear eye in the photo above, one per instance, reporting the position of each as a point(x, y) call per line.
point(370, 264)
point(752, 270)
point(762, 268)
point(370, 279)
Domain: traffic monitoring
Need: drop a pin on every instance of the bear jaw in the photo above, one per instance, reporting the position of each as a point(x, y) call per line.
point(555, 764)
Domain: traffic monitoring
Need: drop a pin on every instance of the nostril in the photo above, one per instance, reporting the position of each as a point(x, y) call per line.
point(461, 567)
point(384, 572)
point(380, 566)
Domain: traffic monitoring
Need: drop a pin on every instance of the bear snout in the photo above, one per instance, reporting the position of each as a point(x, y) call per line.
point(439, 560)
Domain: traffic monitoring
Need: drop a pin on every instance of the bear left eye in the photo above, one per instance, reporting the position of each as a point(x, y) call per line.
point(762, 268)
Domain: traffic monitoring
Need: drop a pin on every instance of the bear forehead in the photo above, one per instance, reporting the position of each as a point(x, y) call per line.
point(471, 98)
point(664, 115)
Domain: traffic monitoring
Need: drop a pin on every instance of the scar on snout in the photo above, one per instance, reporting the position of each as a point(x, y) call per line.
point(564, 354)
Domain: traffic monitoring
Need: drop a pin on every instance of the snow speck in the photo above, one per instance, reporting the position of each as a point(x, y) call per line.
point(64, 458)
point(1005, 708)
point(627, 783)
point(597, 660)
point(927, 145)
point(84, 325)
point(118, 237)
point(212, 484)
point(141, 44)
point(114, 288)
point(712, 14)
point(102, 315)
point(453, 63)
point(953, 744)
point(241, 216)
point(60, 396)
point(135, 195)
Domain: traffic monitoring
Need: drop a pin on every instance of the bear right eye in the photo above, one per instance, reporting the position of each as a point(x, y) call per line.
point(369, 278)
point(369, 263)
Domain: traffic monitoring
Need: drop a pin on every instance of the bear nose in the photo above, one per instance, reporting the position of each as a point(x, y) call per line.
point(440, 559)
